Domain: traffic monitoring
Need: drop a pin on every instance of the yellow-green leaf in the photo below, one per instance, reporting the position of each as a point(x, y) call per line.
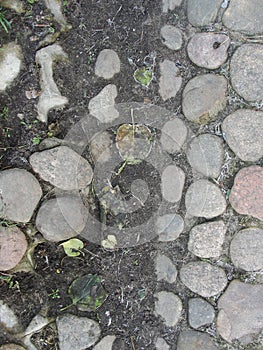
point(110, 242)
point(73, 247)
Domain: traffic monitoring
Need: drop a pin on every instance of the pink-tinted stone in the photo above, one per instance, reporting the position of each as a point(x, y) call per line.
point(247, 193)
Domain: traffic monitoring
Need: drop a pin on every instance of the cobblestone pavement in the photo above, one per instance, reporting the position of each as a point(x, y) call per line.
point(206, 145)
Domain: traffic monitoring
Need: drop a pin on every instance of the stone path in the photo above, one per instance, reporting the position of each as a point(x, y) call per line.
point(198, 297)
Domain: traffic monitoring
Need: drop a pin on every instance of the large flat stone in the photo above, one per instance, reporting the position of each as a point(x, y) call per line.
point(172, 183)
point(170, 80)
point(10, 64)
point(107, 64)
point(174, 133)
point(193, 340)
point(169, 306)
point(202, 12)
point(169, 227)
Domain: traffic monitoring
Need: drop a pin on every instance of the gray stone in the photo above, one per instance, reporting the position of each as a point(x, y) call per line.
point(20, 193)
point(170, 80)
point(204, 199)
point(208, 50)
point(200, 312)
point(206, 155)
point(16, 5)
point(55, 6)
point(170, 5)
point(13, 245)
point(250, 23)
point(161, 344)
point(50, 96)
point(246, 71)
point(193, 340)
point(76, 333)
point(243, 132)
point(204, 97)
point(169, 227)
point(107, 64)
point(172, 37)
point(63, 168)
point(240, 312)
point(172, 183)
point(203, 278)
point(202, 12)
point(100, 147)
point(8, 319)
point(102, 105)
point(165, 269)
point(11, 346)
point(169, 306)
point(206, 240)
point(173, 136)
point(106, 343)
point(10, 64)
point(62, 218)
point(246, 249)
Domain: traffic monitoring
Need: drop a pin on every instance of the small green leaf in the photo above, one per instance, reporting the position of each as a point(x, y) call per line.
point(143, 76)
point(73, 247)
point(110, 242)
point(36, 140)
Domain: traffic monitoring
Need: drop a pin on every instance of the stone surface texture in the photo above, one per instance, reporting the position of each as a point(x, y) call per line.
point(100, 147)
point(240, 312)
point(193, 340)
point(169, 227)
point(174, 134)
point(10, 64)
point(170, 5)
point(11, 346)
point(200, 312)
point(172, 37)
point(172, 183)
point(169, 306)
point(170, 80)
point(20, 193)
point(107, 64)
point(165, 269)
point(8, 318)
point(161, 344)
point(105, 343)
point(246, 195)
point(204, 97)
point(202, 12)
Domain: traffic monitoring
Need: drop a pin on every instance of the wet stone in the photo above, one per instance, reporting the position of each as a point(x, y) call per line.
point(193, 340)
point(203, 278)
point(10, 64)
point(246, 196)
point(204, 199)
point(200, 313)
point(161, 344)
point(107, 64)
point(169, 227)
point(202, 12)
point(240, 312)
point(170, 80)
point(165, 269)
point(106, 343)
point(102, 105)
point(208, 50)
point(206, 240)
point(204, 97)
point(246, 249)
point(20, 193)
point(243, 132)
point(172, 37)
point(173, 136)
point(63, 168)
point(62, 218)
point(169, 306)
point(13, 245)
point(77, 333)
point(8, 319)
point(246, 71)
point(206, 154)
point(251, 23)
point(172, 183)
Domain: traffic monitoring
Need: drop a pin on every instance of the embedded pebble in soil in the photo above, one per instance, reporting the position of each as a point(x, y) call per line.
point(170, 5)
point(165, 269)
point(61, 218)
point(246, 195)
point(208, 50)
point(193, 340)
point(170, 80)
point(20, 194)
point(8, 319)
point(161, 344)
point(11, 347)
point(251, 23)
point(246, 71)
point(240, 312)
point(62, 167)
point(102, 105)
point(169, 306)
point(206, 240)
point(243, 132)
point(106, 343)
point(203, 278)
point(173, 136)
point(107, 64)
point(204, 97)
point(55, 6)
point(172, 183)
point(172, 37)
point(206, 155)
point(10, 64)
point(202, 12)
point(246, 249)
point(169, 227)
point(200, 313)
point(13, 245)
point(76, 333)
point(204, 199)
